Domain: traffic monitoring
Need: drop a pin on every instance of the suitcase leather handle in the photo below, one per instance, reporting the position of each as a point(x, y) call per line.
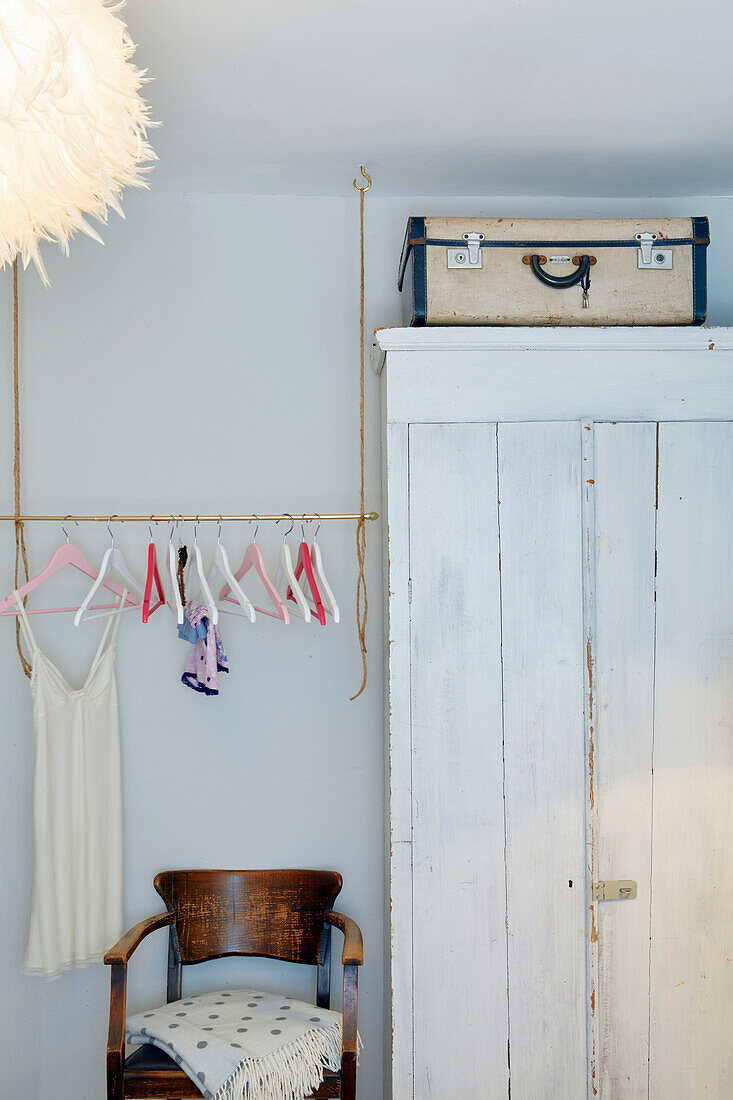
point(560, 281)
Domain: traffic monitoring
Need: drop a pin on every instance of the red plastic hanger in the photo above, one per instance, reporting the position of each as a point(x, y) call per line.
point(153, 575)
point(304, 563)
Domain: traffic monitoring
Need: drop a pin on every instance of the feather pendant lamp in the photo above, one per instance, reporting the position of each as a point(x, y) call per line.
point(73, 125)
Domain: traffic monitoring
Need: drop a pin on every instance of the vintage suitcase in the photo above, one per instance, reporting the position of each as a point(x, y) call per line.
point(538, 271)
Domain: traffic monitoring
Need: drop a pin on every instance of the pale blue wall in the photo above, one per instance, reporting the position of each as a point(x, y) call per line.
point(206, 359)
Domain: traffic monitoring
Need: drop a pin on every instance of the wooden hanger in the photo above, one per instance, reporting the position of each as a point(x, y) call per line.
point(66, 554)
point(153, 574)
point(253, 560)
point(327, 596)
point(221, 565)
point(286, 574)
point(303, 564)
point(113, 561)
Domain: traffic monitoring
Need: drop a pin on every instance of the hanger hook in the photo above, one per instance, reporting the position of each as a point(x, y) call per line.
point(292, 525)
point(320, 521)
point(366, 176)
point(111, 532)
point(218, 529)
point(150, 528)
point(66, 518)
point(196, 532)
point(254, 539)
point(302, 527)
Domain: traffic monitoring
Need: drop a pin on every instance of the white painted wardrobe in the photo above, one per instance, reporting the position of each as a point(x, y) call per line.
point(560, 711)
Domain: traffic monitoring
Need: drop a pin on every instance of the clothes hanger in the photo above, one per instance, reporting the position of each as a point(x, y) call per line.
point(222, 566)
point(286, 574)
point(304, 564)
point(153, 574)
point(173, 576)
point(206, 597)
point(253, 560)
point(66, 554)
point(112, 561)
point(329, 601)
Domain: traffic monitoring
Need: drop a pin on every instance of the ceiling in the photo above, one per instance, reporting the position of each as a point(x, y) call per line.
point(453, 97)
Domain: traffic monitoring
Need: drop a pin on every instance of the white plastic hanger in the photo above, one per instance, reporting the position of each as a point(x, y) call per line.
point(207, 598)
point(221, 565)
point(327, 597)
point(112, 562)
point(173, 573)
point(286, 581)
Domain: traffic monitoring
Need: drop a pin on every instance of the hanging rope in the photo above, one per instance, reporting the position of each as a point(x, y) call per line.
point(362, 603)
point(20, 550)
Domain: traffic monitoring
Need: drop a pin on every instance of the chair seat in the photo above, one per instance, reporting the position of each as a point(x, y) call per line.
point(151, 1074)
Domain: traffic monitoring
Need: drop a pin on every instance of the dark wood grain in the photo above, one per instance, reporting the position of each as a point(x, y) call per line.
point(280, 914)
point(272, 914)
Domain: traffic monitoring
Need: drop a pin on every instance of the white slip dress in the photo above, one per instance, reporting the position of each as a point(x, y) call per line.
point(76, 911)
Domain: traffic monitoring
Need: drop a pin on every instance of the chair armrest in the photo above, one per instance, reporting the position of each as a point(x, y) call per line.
point(122, 950)
point(353, 953)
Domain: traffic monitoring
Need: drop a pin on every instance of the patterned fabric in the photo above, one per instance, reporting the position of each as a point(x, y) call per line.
point(208, 655)
point(240, 1044)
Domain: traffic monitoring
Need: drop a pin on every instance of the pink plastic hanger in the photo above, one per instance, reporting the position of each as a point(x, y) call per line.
point(67, 554)
point(253, 559)
point(304, 563)
point(153, 575)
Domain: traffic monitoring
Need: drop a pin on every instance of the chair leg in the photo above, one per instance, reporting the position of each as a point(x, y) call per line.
point(348, 1079)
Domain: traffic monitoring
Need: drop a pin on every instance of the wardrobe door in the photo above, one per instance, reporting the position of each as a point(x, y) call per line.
point(664, 758)
point(497, 761)
point(623, 683)
point(459, 953)
point(691, 922)
point(542, 666)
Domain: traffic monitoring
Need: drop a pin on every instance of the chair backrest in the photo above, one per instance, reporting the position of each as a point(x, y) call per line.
point(276, 914)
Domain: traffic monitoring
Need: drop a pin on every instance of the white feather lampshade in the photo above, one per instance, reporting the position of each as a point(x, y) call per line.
point(73, 125)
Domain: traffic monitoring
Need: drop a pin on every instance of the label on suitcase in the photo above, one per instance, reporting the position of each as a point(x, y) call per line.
point(531, 271)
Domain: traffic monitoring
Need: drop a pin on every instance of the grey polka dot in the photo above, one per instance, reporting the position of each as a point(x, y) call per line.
point(258, 996)
point(283, 1007)
point(281, 1017)
point(226, 994)
point(201, 1045)
point(148, 1015)
point(237, 1045)
point(246, 1017)
point(218, 1002)
point(276, 1031)
point(252, 1004)
point(207, 1029)
point(214, 1016)
point(173, 1025)
point(201, 1077)
point(241, 1029)
point(181, 1013)
point(315, 1019)
point(143, 1031)
point(188, 1002)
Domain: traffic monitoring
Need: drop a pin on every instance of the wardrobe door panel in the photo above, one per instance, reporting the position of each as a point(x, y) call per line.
point(542, 647)
point(459, 914)
point(691, 974)
point(623, 683)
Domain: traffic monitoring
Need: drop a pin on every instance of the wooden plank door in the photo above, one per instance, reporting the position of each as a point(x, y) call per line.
point(664, 684)
point(497, 761)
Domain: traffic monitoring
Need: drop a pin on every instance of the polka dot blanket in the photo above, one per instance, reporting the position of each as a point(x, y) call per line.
point(240, 1044)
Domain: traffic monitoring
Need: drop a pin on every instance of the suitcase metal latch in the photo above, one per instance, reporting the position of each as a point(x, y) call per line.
point(470, 256)
point(649, 256)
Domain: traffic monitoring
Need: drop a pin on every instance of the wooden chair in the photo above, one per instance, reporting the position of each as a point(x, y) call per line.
point(273, 914)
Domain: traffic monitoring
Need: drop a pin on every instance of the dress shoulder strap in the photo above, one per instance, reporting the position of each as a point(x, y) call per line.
point(25, 625)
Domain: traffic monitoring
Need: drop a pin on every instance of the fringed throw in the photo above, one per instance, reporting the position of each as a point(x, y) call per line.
point(241, 1044)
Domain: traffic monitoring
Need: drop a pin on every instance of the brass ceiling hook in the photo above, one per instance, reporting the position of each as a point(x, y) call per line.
point(366, 176)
